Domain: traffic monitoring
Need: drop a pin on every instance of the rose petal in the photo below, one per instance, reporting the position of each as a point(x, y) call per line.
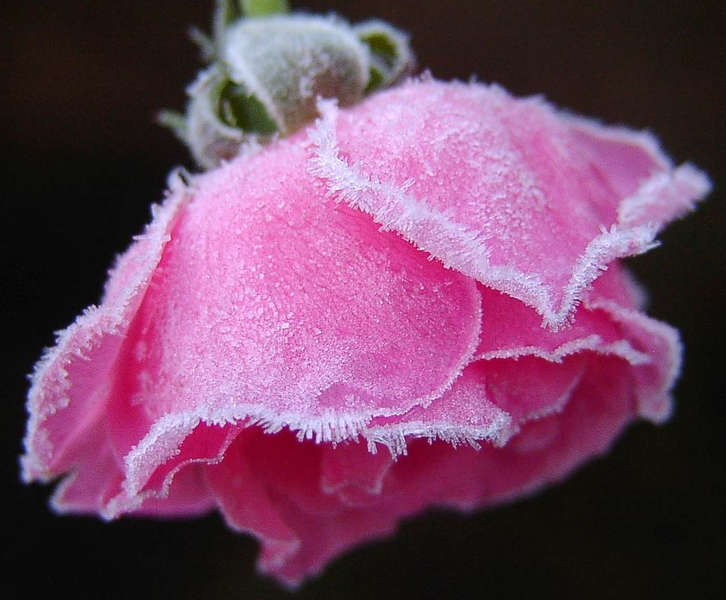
point(186, 496)
point(512, 330)
point(257, 318)
point(489, 402)
point(530, 388)
point(246, 505)
point(465, 414)
point(70, 384)
point(527, 201)
point(95, 478)
point(662, 344)
point(159, 470)
point(349, 471)
point(279, 489)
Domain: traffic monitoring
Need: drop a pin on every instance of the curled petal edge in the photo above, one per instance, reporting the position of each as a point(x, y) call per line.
point(669, 194)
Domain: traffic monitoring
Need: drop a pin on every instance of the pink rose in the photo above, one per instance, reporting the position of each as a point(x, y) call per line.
point(432, 272)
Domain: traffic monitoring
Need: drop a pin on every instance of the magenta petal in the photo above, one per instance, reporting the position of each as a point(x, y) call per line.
point(489, 403)
point(187, 496)
point(293, 312)
point(352, 473)
point(95, 478)
point(70, 384)
point(326, 537)
point(544, 451)
point(163, 469)
point(281, 490)
point(513, 330)
point(530, 388)
point(621, 156)
point(465, 414)
point(654, 379)
point(246, 505)
point(529, 202)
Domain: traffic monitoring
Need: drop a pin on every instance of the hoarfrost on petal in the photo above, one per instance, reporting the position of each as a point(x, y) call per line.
point(527, 201)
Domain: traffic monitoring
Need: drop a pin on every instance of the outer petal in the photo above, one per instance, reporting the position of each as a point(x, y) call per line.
point(351, 472)
point(70, 384)
point(655, 379)
point(464, 414)
point(512, 330)
point(247, 505)
point(272, 306)
point(96, 476)
point(529, 202)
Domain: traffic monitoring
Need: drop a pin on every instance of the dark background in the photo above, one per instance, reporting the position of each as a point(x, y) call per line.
point(82, 161)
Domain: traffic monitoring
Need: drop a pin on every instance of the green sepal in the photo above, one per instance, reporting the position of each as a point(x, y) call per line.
point(174, 120)
point(240, 109)
point(390, 54)
point(381, 46)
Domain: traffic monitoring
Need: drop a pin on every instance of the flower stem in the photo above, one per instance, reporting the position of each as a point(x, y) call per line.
point(260, 8)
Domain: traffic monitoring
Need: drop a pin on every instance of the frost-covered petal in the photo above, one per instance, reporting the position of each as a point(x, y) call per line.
point(464, 414)
point(512, 330)
point(489, 403)
point(528, 201)
point(187, 496)
point(70, 384)
point(95, 478)
point(162, 469)
point(530, 387)
point(607, 323)
point(661, 342)
point(544, 450)
point(273, 305)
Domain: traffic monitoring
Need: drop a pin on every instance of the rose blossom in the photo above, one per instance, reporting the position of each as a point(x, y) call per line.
point(413, 302)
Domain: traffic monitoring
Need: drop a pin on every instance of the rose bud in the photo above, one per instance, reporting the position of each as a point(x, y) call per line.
point(415, 301)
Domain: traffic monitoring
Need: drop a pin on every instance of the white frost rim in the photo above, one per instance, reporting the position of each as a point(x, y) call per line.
point(395, 208)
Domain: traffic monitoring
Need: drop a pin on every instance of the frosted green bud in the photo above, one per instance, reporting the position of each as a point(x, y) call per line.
point(267, 72)
point(286, 62)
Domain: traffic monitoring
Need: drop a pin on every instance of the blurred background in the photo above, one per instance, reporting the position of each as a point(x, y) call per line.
point(82, 160)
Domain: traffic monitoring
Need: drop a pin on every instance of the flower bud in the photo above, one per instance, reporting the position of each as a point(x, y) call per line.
point(268, 72)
